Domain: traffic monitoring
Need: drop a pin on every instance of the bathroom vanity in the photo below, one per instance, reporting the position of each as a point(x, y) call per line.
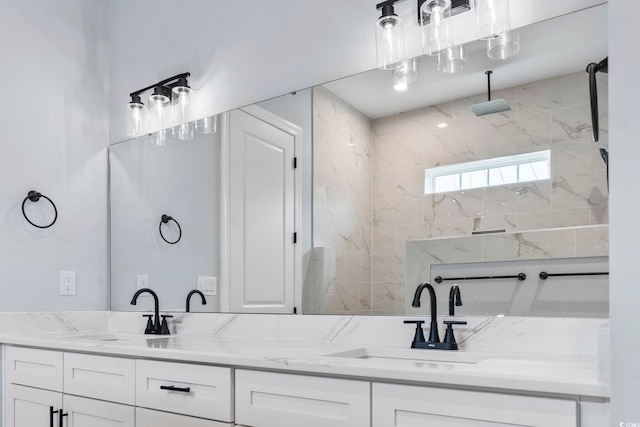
point(116, 378)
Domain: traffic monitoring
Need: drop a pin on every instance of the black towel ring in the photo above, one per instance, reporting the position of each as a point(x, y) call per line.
point(34, 196)
point(165, 219)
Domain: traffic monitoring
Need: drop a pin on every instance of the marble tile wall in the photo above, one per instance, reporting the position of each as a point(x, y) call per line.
point(563, 250)
point(549, 114)
point(341, 258)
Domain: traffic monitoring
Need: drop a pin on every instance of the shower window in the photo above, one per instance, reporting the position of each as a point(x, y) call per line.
point(490, 172)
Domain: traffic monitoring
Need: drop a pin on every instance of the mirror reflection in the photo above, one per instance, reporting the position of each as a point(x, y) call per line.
point(401, 188)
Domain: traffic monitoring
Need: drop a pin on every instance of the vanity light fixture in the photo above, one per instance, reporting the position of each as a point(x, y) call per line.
point(437, 31)
point(389, 36)
point(405, 73)
point(494, 25)
point(452, 59)
point(172, 93)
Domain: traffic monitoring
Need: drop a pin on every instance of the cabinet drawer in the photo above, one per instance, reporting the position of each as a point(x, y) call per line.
point(100, 377)
point(209, 388)
point(268, 399)
point(150, 418)
point(413, 406)
point(96, 413)
point(33, 367)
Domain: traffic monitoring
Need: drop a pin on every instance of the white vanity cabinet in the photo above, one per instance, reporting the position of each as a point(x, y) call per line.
point(105, 391)
point(41, 385)
point(416, 406)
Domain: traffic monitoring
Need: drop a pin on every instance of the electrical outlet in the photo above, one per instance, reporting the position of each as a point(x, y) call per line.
point(142, 281)
point(208, 285)
point(67, 283)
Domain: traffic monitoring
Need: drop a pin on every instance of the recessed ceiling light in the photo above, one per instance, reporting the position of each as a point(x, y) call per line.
point(443, 125)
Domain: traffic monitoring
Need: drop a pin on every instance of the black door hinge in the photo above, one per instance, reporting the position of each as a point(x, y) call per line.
point(295, 237)
point(295, 310)
point(295, 163)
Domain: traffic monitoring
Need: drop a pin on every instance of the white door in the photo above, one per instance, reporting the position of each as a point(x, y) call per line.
point(31, 407)
point(82, 412)
point(261, 215)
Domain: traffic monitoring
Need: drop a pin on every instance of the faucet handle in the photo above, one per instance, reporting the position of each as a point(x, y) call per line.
point(449, 338)
point(419, 335)
point(164, 328)
point(150, 327)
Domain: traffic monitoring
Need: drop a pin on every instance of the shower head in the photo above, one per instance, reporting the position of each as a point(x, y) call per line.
point(489, 106)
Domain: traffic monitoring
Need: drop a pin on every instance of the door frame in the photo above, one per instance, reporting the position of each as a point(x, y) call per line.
point(225, 171)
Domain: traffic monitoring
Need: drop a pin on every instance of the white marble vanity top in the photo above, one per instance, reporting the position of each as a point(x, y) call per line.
point(569, 374)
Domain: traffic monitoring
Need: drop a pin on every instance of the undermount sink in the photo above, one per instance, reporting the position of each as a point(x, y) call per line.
point(412, 355)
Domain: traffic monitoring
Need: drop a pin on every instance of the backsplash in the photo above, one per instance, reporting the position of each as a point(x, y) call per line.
point(495, 334)
point(551, 114)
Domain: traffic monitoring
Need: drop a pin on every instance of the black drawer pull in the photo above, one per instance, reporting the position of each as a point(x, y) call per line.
point(174, 388)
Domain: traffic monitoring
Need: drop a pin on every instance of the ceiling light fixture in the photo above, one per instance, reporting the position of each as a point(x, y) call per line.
point(171, 93)
point(389, 36)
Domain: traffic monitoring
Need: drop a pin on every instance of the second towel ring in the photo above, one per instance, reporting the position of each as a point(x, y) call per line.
point(165, 219)
point(34, 196)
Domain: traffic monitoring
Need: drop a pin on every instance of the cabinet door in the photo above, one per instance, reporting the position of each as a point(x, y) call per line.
point(199, 391)
point(100, 377)
point(31, 407)
point(34, 367)
point(267, 399)
point(82, 412)
point(151, 418)
point(413, 406)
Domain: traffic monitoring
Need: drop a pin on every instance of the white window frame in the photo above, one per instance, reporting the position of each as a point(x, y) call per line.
point(430, 175)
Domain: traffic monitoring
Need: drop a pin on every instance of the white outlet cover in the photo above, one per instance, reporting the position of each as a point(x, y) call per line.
point(208, 285)
point(67, 283)
point(142, 281)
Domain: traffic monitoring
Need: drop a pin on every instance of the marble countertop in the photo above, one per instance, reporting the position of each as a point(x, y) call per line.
point(508, 371)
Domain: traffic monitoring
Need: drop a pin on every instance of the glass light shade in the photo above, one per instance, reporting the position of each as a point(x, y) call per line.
point(135, 119)
point(504, 46)
point(452, 60)
point(182, 127)
point(208, 125)
point(158, 120)
point(492, 18)
point(437, 35)
point(389, 41)
point(405, 73)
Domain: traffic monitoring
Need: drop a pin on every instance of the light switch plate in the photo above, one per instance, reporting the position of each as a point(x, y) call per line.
point(208, 285)
point(67, 283)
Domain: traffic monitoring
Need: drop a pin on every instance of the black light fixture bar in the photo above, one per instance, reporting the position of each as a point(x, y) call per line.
point(386, 4)
point(166, 83)
point(544, 274)
point(457, 7)
point(519, 276)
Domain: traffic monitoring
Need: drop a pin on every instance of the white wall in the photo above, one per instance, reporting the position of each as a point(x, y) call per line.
point(624, 111)
point(147, 181)
point(54, 132)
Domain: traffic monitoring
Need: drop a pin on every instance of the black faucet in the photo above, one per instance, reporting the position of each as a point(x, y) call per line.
point(154, 327)
point(195, 291)
point(454, 299)
point(434, 339)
